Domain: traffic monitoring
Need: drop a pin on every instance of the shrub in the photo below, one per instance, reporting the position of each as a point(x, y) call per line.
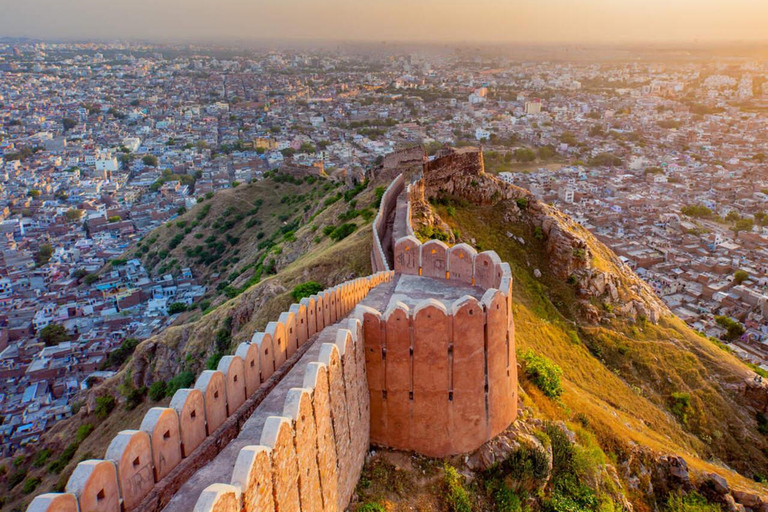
point(506, 500)
point(30, 484)
point(691, 502)
point(522, 202)
point(157, 390)
point(372, 506)
point(740, 276)
point(544, 373)
point(59, 464)
point(734, 329)
point(41, 458)
point(183, 380)
point(83, 431)
point(104, 406)
point(456, 496)
point(681, 406)
point(177, 307)
point(305, 290)
point(343, 231)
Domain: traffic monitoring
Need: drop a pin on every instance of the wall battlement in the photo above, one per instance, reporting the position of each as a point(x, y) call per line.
point(428, 366)
point(438, 377)
point(137, 473)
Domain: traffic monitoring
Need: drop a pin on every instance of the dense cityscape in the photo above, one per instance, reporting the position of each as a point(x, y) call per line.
point(101, 143)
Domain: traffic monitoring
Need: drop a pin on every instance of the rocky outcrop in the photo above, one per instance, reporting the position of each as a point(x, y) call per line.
point(572, 251)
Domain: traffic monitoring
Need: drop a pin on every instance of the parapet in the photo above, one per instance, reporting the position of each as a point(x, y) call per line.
point(137, 460)
point(442, 378)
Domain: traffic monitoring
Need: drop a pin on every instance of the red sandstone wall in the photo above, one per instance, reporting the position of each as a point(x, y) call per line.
point(388, 203)
point(169, 437)
point(427, 367)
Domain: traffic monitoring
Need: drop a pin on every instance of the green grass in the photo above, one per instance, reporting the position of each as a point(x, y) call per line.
point(620, 376)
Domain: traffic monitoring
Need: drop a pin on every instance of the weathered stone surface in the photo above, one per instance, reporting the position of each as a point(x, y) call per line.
point(233, 368)
point(252, 474)
point(279, 342)
point(94, 482)
point(213, 386)
point(189, 404)
point(430, 413)
point(469, 425)
point(434, 259)
point(408, 255)
point(162, 425)
point(461, 263)
point(249, 353)
point(298, 407)
point(53, 502)
point(278, 436)
point(267, 364)
point(316, 379)
point(288, 319)
point(218, 498)
point(131, 452)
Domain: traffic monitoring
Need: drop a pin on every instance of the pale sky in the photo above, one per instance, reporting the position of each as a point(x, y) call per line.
point(533, 21)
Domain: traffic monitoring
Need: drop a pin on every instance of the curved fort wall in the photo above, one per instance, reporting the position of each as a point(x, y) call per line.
point(442, 378)
point(313, 454)
point(379, 261)
point(435, 378)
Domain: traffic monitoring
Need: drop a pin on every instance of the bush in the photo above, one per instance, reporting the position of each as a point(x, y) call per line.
point(30, 484)
point(456, 496)
point(343, 231)
point(506, 500)
point(104, 406)
point(41, 458)
point(734, 329)
point(691, 502)
point(372, 506)
point(305, 290)
point(183, 380)
point(157, 390)
point(681, 406)
point(83, 431)
point(176, 308)
point(117, 357)
point(544, 373)
point(60, 463)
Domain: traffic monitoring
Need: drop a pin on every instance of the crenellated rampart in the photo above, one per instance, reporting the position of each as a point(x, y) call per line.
point(426, 364)
point(143, 468)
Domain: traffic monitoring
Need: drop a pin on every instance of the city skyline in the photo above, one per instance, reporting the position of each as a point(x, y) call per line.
point(496, 21)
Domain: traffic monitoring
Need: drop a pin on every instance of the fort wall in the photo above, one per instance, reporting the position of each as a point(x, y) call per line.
point(144, 468)
point(442, 379)
point(379, 261)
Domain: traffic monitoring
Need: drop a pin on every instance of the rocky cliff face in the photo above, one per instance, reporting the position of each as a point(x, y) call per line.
point(575, 255)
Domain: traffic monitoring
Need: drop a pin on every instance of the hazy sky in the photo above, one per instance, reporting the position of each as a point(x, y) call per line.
point(409, 20)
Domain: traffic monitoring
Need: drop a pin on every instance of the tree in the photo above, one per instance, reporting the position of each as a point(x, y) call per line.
point(53, 334)
point(73, 214)
point(150, 160)
point(34, 194)
point(44, 254)
point(104, 406)
point(305, 290)
point(732, 216)
point(68, 124)
point(176, 307)
point(740, 276)
point(525, 155)
point(743, 225)
point(733, 328)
